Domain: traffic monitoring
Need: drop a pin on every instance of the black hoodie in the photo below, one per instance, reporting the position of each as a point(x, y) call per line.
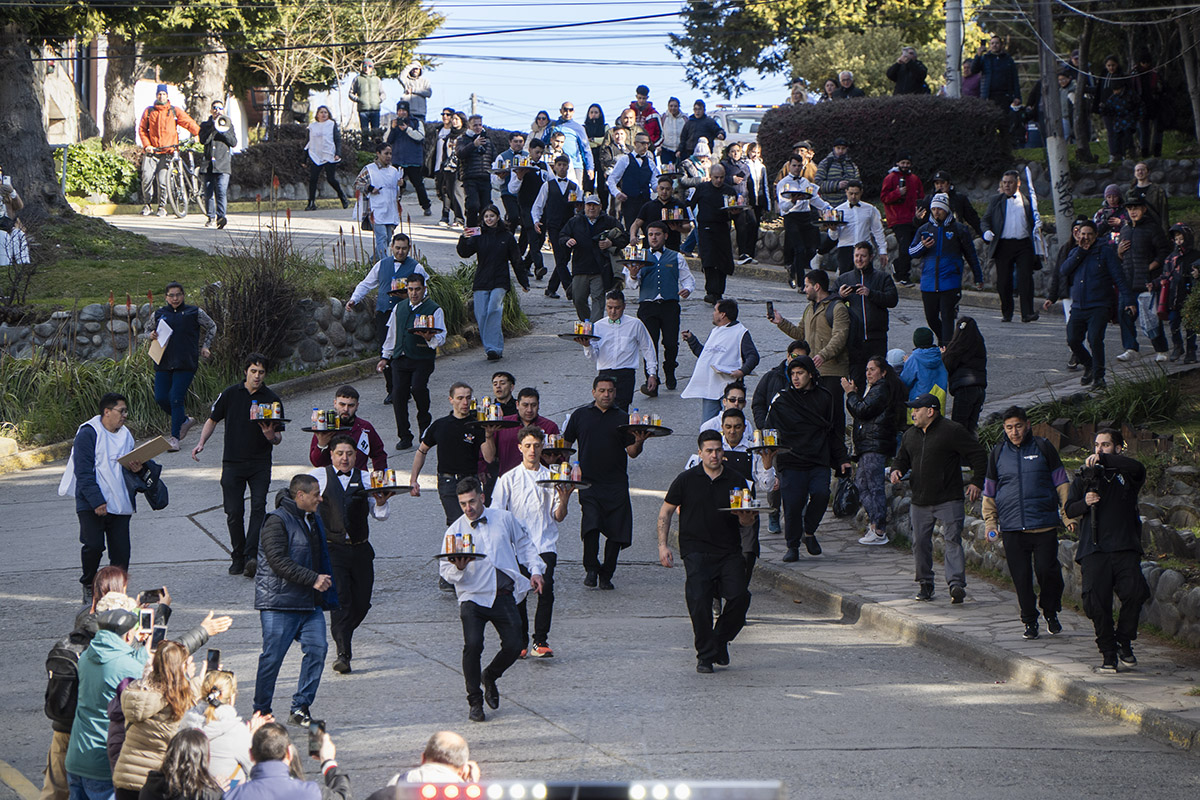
point(804, 419)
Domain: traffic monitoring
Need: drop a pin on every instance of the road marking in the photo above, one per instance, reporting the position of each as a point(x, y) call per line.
point(17, 782)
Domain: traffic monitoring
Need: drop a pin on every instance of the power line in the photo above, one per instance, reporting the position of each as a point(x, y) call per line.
point(1123, 23)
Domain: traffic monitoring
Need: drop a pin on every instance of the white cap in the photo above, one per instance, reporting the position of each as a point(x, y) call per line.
point(591, 198)
point(941, 201)
point(702, 148)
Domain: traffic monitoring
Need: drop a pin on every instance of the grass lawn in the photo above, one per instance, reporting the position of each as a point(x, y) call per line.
point(1176, 145)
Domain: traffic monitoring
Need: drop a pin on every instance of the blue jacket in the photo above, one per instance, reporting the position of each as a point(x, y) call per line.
point(1092, 274)
point(923, 372)
point(270, 781)
point(575, 143)
point(290, 557)
point(942, 269)
point(1022, 482)
point(106, 662)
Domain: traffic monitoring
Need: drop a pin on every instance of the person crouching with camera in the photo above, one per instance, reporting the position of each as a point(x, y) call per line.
point(1104, 497)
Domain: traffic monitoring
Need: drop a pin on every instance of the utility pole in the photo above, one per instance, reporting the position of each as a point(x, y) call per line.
point(474, 103)
point(954, 46)
point(1061, 187)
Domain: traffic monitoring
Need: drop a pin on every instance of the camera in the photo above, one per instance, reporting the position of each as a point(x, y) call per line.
point(1091, 477)
point(316, 732)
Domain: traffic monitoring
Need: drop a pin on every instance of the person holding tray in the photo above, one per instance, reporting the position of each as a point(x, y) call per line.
point(410, 354)
point(622, 344)
point(604, 454)
point(661, 285)
point(665, 207)
point(368, 445)
point(710, 545)
point(712, 227)
point(489, 589)
point(344, 489)
point(797, 196)
point(540, 508)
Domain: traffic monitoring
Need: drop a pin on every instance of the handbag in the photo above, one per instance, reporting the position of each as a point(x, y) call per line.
point(1164, 299)
point(847, 501)
point(368, 221)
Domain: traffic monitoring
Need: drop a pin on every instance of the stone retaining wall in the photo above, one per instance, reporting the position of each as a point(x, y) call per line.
point(1174, 607)
point(320, 332)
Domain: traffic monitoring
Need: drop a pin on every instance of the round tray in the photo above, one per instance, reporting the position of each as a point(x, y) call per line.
point(393, 490)
point(497, 423)
point(798, 195)
point(755, 509)
point(311, 429)
point(426, 330)
point(558, 452)
point(654, 430)
point(272, 419)
point(759, 448)
point(671, 175)
point(734, 209)
point(472, 556)
point(591, 337)
point(397, 293)
point(833, 222)
point(552, 484)
point(635, 262)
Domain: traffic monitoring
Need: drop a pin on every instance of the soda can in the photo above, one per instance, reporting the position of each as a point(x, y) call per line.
point(391, 477)
point(277, 410)
point(449, 544)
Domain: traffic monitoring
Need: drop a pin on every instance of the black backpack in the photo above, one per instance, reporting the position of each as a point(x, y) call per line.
point(62, 671)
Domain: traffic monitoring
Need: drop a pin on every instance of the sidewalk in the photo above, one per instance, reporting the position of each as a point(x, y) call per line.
point(875, 586)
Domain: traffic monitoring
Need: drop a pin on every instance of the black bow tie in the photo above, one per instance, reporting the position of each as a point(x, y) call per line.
point(476, 523)
point(854, 205)
point(347, 474)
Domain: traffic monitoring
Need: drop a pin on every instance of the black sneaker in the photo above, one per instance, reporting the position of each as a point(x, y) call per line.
point(476, 714)
point(428, 212)
point(925, 592)
point(404, 444)
point(812, 545)
point(342, 665)
point(1072, 363)
point(1088, 375)
point(1109, 664)
point(792, 554)
point(957, 593)
point(1125, 652)
point(251, 567)
point(87, 593)
point(671, 382)
point(589, 580)
point(722, 658)
point(704, 667)
point(491, 695)
point(300, 716)
point(445, 585)
point(552, 295)
point(1099, 383)
point(606, 584)
point(387, 401)
point(1052, 623)
point(237, 566)
point(1031, 631)
point(539, 273)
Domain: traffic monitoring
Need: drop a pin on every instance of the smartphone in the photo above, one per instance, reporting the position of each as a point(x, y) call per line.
point(150, 596)
point(770, 310)
point(146, 620)
point(160, 633)
point(214, 660)
point(472, 231)
point(316, 733)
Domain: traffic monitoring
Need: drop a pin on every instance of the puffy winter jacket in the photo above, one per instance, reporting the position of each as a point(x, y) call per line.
point(228, 741)
point(1024, 487)
point(966, 369)
point(1092, 275)
point(924, 372)
point(874, 413)
point(475, 161)
point(495, 249)
point(1148, 245)
point(942, 267)
point(869, 314)
point(107, 661)
point(771, 384)
point(149, 726)
point(289, 561)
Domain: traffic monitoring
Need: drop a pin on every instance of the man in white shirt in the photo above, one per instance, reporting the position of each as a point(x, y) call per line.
point(1009, 225)
point(661, 285)
point(863, 223)
point(633, 179)
point(800, 236)
point(489, 589)
point(409, 352)
point(556, 202)
point(623, 342)
point(540, 508)
point(733, 398)
point(343, 513)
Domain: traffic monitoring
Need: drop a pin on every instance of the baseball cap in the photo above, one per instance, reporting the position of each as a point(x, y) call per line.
point(924, 401)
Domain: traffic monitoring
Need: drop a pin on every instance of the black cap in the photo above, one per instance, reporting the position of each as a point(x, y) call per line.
point(925, 401)
point(402, 104)
point(942, 175)
point(1136, 200)
point(117, 620)
point(841, 142)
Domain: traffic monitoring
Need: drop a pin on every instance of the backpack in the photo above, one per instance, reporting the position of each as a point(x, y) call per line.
point(62, 670)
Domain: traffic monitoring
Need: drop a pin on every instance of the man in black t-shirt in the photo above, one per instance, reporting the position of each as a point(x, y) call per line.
point(653, 212)
point(460, 443)
point(604, 454)
point(247, 458)
point(710, 544)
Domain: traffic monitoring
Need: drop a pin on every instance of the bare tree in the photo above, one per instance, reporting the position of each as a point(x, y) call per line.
point(290, 51)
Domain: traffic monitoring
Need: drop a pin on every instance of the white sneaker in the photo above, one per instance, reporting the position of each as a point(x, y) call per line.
point(185, 427)
point(172, 444)
point(1127, 355)
point(873, 538)
point(1160, 357)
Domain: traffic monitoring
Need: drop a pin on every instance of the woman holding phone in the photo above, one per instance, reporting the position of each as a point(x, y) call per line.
point(496, 250)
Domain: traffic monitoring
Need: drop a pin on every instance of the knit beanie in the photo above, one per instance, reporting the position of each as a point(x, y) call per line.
point(922, 337)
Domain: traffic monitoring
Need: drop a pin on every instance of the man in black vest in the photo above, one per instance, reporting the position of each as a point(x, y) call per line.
point(344, 514)
point(633, 178)
point(556, 203)
point(409, 354)
point(525, 185)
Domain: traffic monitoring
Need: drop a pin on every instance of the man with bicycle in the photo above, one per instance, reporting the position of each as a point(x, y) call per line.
point(158, 133)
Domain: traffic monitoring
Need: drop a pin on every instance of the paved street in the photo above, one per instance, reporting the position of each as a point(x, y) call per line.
point(832, 709)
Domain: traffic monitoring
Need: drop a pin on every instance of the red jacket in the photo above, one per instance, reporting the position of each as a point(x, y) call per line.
point(159, 126)
point(900, 209)
point(648, 118)
point(363, 433)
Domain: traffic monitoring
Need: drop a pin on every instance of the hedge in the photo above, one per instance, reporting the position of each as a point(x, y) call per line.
point(284, 157)
point(967, 137)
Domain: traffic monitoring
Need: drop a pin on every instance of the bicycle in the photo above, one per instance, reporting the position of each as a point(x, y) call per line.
point(184, 185)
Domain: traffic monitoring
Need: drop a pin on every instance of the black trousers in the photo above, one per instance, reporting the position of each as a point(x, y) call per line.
point(591, 555)
point(451, 194)
point(860, 351)
point(941, 309)
point(447, 485)
point(711, 575)
point(631, 207)
point(529, 245)
point(314, 177)
point(904, 235)
point(968, 403)
point(235, 477)
point(745, 225)
point(800, 241)
point(507, 621)
point(1092, 323)
point(545, 604)
point(1015, 258)
point(354, 576)
point(512, 211)
point(478, 196)
point(416, 176)
point(94, 531)
point(661, 318)
point(410, 380)
point(381, 321)
point(1030, 554)
point(562, 262)
point(625, 379)
point(1104, 574)
point(845, 259)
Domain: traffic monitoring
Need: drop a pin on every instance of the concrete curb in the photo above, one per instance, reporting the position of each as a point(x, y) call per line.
point(1154, 723)
point(37, 457)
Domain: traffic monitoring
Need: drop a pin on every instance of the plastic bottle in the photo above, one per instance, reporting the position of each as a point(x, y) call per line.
point(634, 416)
point(576, 471)
point(992, 535)
point(254, 414)
point(458, 542)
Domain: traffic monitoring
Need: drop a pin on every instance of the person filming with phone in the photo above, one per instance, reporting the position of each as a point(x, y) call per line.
point(271, 776)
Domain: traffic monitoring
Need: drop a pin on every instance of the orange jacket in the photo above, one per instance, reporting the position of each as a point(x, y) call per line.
point(158, 127)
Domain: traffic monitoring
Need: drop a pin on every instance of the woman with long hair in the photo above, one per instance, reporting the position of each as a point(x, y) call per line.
point(495, 250)
point(597, 135)
point(875, 410)
point(828, 93)
point(153, 708)
point(965, 358)
point(541, 122)
point(324, 144)
point(185, 771)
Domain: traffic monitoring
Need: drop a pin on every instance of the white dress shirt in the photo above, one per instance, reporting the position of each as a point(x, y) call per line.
point(379, 512)
point(1016, 226)
point(372, 280)
point(863, 223)
point(439, 321)
point(620, 344)
point(714, 424)
point(622, 164)
point(517, 491)
point(539, 204)
point(505, 541)
point(801, 184)
point(687, 281)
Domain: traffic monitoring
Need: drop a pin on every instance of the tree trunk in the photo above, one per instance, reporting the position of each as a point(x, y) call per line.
point(208, 77)
point(26, 155)
point(120, 117)
point(1191, 65)
point(1083, 107)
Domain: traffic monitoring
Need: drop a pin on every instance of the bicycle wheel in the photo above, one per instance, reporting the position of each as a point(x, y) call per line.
point(177, 190)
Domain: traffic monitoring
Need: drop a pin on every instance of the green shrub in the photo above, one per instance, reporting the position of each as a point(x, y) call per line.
point(91, 169)
point(285, 158)
point(965, 136)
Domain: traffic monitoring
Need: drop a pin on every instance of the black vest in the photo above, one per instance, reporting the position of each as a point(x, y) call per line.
point(558, 210)
point(183, 349)
point(740, 463)
point(527, 192)
point(344, 512)
point(635, 182)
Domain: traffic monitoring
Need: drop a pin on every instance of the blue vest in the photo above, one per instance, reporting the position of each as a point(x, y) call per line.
point(635, 181)
point(183, 350)
point(661, 278)
point(305, 546)
point(1025, 495)
point(388, 270)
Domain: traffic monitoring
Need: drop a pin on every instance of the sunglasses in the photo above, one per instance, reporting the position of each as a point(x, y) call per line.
point(567, 108)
